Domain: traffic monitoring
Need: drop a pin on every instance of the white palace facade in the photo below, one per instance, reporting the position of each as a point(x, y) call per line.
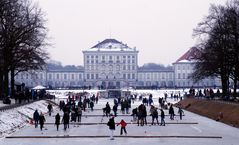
point(113, 64)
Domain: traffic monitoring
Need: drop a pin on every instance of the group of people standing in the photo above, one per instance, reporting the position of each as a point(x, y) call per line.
point(111, 123)
point(38, 119)
point(72, 111)
point(140, 114)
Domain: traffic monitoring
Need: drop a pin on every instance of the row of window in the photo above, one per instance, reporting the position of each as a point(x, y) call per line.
point(80, 76)
point(110, 76)
point(129, 76)
point(183, 76)
point(31, 83)
point(190, 83)
point(65, 76)
point(109, 61)
point(110, 67)
point(185, 67)
point(155, 76)
point(156, 83)
point(50, 76)
point(65, 84)
point(92, 76)
point(29, 76)
point(110, 57)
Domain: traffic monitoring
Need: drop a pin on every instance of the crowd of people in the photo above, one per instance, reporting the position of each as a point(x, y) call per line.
point(74, 106)
point(71, 110)
point(208, 93)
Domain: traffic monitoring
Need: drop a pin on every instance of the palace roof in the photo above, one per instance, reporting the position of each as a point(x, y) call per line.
point(111, 45)
point(189, 56)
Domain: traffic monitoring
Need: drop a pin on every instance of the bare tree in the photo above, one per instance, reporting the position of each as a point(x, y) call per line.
point(219, 43)
point(23, 37)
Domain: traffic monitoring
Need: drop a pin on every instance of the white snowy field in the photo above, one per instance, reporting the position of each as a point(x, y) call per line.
point(155, 93)
point(192, 125)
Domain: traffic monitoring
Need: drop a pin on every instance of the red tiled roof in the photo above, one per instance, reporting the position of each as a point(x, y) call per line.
point(190, 54)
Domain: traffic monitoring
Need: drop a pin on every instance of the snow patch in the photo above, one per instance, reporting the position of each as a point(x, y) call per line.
point(14, 119)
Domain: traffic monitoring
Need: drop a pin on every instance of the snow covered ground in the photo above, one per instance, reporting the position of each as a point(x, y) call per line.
point(15, 119)
point(192, 130)
point(155, 93)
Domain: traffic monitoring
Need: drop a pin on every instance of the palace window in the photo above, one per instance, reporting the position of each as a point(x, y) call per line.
point(128, 67)
point(179, 76)
point(92, 76)
point(65, 76)
point(124, 76)
point(133, 76)
point(96, 76)
point(128, 76)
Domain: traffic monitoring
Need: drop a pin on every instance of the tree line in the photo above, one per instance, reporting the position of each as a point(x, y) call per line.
point(155, 66)
point(23, 37)
point(218, 33)
point(56, 65)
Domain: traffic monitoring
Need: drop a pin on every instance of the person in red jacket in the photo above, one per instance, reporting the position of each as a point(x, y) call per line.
point(123, 127)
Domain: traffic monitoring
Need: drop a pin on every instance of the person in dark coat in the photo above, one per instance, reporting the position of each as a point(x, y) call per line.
point(115, 108)
point(162, 117)
point(171, 112)
point(73, 115)
point(79, 113)
point(135, 113)
point(107, 109)
point(96, 99)
point(91, 105)
point(57, 121)
point(66, 120)
point(111, 124)
point(41, 120)
point(140, 115)
point(36, 118)
point(154, 113)
point(180, 112)
point(84, 105)
point(49, 107)
point(144, 111)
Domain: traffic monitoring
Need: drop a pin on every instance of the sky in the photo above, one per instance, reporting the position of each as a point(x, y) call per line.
point(160, 29)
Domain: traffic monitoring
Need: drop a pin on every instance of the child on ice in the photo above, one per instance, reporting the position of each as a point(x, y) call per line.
point(123, 127)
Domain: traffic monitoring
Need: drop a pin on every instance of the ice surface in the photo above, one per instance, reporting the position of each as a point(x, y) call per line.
point(205, 127)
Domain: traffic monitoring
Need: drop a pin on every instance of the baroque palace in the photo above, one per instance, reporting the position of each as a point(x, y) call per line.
point(113, 64)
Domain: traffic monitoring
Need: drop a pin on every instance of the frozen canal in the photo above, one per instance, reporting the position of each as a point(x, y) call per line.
point(192, 130)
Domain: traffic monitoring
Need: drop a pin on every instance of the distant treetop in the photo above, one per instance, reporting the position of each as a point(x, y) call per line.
point(55, 65)
point(154, 66)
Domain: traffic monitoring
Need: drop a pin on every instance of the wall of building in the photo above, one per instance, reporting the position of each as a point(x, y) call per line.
point(55, 79)
point(110, 68)
point(156, 78)
point(183, 73)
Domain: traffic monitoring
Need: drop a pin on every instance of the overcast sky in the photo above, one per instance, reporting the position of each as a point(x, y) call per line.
point(160, 29)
